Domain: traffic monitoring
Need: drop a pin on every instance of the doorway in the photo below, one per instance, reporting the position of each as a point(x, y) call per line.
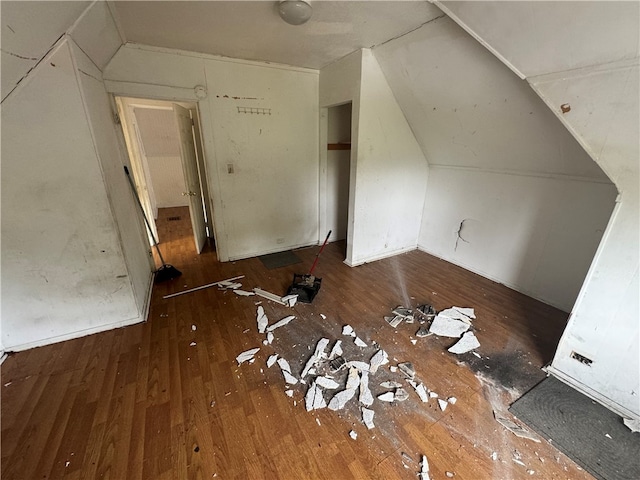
point(338, 172)
point(164, 144)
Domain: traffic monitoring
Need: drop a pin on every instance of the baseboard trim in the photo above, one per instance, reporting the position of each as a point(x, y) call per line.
point(74, 335)
point(381, 256)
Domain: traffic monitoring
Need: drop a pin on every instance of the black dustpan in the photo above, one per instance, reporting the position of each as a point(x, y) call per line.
point(307, 286)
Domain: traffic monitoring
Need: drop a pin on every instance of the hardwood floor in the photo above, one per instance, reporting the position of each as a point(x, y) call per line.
point(166, 399)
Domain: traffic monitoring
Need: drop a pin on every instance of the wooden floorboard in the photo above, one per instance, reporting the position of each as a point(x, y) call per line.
point(162, 400)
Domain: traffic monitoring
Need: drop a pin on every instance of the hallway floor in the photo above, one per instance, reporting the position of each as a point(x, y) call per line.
point(166, 399)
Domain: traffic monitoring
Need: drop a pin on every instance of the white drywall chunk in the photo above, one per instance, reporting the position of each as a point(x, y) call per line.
point(317, 355)
point(262, 320)
point(466, 311)
point(284, 365)
point(359, 343)
point(407, 370)
point(494, 456)
point(366, 398)
point(433, 395)
point(452, 400)
point(348, 330)
point(391, 384)
point(353, 380)
point(400, 395)
point(443, 404)
point(288, 378)
point(514, 428)
point(246, 356)
point(359, 365)
point(386, 397)
point(394, 321)
point(194, 328)
point(378, 359)
point(289, 393)
point(340, 399)
point(336, 351)
point(467, 343)
point(632, 424)
point(353, 435)
point(448, 327)
point(421, 390)
point(413, 341)
point(328, 383)
point(192, 344)
point(314, 400)
point(269, 337)
point(272, 360)
point(290, 300)
point(324, 317)
point(243, 293)
point(424, 471)
point(455, 314)
point(281, 323)
point(367, 418)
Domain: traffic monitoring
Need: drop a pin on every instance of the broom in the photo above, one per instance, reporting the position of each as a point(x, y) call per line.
point(166, 271)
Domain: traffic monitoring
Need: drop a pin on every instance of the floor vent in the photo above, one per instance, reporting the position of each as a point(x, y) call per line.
point(173, 219)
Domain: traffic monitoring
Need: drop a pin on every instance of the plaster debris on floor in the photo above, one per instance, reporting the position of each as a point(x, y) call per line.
point(325, 385)
point(467, 343)
point(246, 356)
point(424, 469)
point(514, 428)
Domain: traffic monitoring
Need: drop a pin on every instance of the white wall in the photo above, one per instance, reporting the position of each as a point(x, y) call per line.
point(161, 151)
point(270, 202)
point(586, 56)
point(533, 203)
point(63, 269)
point(390, 173)
point(28, 33)
point(388, 167)
point(604, 322)
point(74, 259)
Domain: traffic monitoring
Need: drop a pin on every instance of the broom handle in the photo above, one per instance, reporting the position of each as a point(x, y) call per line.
point(135, 194)
point(318, 255)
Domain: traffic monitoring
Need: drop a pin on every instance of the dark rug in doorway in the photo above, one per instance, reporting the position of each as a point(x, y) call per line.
point(591, 435)
point(280, 259)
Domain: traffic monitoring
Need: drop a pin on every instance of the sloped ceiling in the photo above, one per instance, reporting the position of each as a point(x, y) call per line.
point(537, 38)
point(467, 109)
point(252, 30)
point(29, 29)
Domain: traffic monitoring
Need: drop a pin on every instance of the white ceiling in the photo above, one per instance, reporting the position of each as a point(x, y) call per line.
point(252, 30)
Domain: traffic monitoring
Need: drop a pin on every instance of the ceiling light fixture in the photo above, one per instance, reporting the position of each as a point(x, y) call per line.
point(295, 12)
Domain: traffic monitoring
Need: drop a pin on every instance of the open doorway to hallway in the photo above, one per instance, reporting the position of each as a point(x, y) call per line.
point(164, 144)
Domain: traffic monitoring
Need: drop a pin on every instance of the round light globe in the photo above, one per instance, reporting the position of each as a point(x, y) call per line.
point(295, 12)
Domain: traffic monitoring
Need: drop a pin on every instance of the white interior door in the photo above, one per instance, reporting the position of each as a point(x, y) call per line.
point(192, 181)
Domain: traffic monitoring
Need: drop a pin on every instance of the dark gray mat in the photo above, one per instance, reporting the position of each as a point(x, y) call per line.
point(578, 427)
point(280, 259)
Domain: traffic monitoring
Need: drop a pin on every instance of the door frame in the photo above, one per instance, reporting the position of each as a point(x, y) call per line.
point(323, 184)
point(126, 105)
